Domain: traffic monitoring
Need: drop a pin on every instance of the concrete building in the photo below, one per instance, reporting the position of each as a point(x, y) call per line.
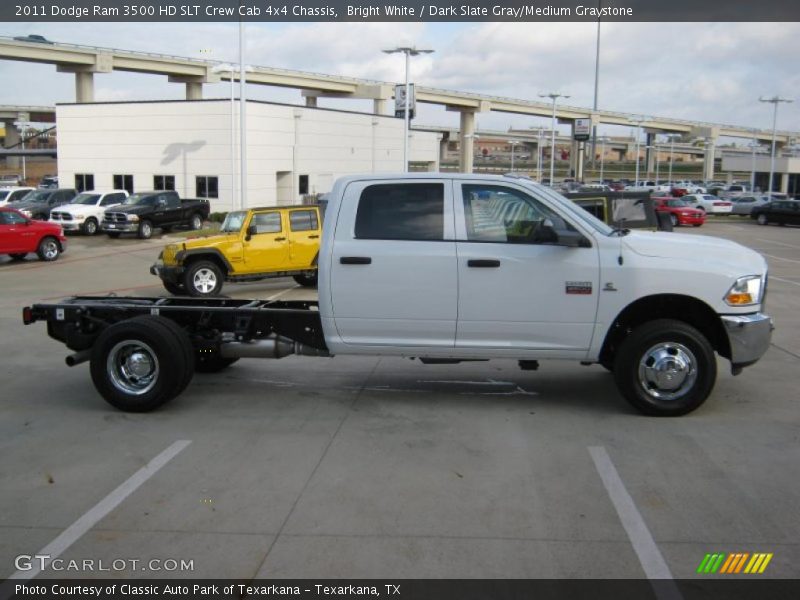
point(786, 177)
point(291, 151)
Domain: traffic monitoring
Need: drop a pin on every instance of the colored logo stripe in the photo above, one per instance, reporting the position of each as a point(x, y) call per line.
point(735, 562)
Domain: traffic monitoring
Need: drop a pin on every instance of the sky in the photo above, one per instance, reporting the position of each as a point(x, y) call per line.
point(711, 72)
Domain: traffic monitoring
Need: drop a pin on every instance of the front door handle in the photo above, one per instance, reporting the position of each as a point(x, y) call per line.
point(313, 237)
point(355, 260)
point(280, 239)
point(483, 262)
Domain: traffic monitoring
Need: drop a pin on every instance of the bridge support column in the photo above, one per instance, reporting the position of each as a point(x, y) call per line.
point(13, 138)
point(784, 179)
point(194, 90)
point(708, 159)
point(466, 141)
point(84, 86)
point(650, 154)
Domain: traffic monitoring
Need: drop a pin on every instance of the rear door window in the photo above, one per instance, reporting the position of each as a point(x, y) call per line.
point(303, 220)
point(409, 211)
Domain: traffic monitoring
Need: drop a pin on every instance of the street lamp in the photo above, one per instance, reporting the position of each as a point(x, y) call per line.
point(409, 52)
point(512, 143)
point(554, 96)
point(638, 121)
point(603, 141)
point(539, 137)
point(231, 69)
point(775, 100)
point(671, 154)
point(754, 145)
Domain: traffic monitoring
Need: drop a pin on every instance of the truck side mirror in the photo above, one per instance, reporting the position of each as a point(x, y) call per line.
point(251, 231)
point(553, 230)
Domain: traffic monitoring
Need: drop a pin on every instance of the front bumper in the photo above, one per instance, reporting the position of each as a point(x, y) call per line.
point(170, 274)
point(69, 225)
point(749, 337)
point(123, 227)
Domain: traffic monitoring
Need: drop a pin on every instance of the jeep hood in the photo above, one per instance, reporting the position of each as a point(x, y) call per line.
point(705, 249)
point(209, 241)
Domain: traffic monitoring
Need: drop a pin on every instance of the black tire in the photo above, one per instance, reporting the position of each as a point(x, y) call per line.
point(175, 289)
point(49, 249)
point(90, 226)
point(157, 347)
point(114, 234)
point(196, 222)
point(211, 362)
point(673, 219)
point(665, 343)
point(145, 231)
point(18, 256)
point(203, 278)
point(306, 280)
point(762, 219)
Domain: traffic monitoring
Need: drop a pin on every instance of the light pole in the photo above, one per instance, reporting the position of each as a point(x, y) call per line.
point(231, 69)
point(554, 96)
point(539, 155)
point(409, 52)
point(602, 156)
point(754, 145)
point(638, 121)
point(775, 100)
point(242, 118)
point(512, 143)
point(596, 84)
point(671, 156)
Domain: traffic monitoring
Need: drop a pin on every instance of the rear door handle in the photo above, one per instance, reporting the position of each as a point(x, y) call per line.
point(483, 262)
point(355, 260)
point(280, 239)
point(313, 237)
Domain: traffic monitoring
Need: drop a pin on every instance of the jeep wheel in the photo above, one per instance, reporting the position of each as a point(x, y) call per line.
point(665, 368)
point(306, 280)
point(145, 230)
point(48, 249)
point(139, 364)
point(203, 278)
point(90, 227)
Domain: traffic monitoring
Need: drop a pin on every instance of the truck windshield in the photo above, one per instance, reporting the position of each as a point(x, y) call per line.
point(141, 199)
point(84, 198)
point(38, 196)
point(233, 222)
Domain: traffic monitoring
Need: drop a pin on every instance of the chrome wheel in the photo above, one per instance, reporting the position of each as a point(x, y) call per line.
point(196, 223)
point(90, 227)
point(132, 367)
point(50, 250)
point(667, 371)
point(204, 280)
point(145, 230)
point(762, 219)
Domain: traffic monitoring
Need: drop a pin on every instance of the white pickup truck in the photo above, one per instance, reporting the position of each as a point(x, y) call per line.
point(449, 268)
point(85, 211)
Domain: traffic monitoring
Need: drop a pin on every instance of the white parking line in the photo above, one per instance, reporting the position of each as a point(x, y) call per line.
point(779, 243)
point(72, 533)
point(653, 563)
point(772, 277)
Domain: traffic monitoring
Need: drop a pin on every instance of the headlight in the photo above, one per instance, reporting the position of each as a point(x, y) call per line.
point(133, 218)
point(78, 217)
point(27, 213)
point(746, 291)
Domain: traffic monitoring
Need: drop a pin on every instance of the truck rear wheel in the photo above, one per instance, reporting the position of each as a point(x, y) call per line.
point(203, 278)
point(141, 363)
point(306, 280)
point(665, 368)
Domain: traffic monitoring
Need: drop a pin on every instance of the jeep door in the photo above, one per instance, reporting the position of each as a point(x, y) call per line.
point(393, 264)
point(515, 290)
point(266, 245)
point(304, 232)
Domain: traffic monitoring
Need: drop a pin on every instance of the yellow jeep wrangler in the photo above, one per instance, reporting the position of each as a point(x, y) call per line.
point(252, 244)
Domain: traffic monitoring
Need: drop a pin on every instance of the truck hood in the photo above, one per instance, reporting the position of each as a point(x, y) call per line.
point(80, 209)
point(133, 209)
point(694, 248)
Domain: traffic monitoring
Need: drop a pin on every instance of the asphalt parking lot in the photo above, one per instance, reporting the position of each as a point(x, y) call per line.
point(382, 467)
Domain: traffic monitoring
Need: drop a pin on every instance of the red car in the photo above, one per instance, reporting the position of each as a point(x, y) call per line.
point(680, 211)
point(20, 235)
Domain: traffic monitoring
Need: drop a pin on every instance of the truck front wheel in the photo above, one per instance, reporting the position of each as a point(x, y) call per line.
point(145, 230)
point(141, 363)
point(203, 278)
point(665, 368)
point(306, 279)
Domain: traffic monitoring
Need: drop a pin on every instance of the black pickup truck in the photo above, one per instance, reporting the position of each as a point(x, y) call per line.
point(143, 211)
